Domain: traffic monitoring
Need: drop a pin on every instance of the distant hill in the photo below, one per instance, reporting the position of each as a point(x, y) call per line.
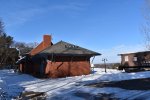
point(108, 65)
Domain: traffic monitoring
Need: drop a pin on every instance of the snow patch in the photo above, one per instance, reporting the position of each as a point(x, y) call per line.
point(12, 84)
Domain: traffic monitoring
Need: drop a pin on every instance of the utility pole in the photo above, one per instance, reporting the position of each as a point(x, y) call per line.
point(104, 60)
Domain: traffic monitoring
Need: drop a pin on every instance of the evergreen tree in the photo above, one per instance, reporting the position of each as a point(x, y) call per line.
point(8, 55)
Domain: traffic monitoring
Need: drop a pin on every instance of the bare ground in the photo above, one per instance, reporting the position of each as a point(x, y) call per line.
point(99, 96)
point(134, 84)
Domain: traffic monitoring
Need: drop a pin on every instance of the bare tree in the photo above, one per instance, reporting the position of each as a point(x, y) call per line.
point(24, 47)
point(146, 26)
point(1, 28)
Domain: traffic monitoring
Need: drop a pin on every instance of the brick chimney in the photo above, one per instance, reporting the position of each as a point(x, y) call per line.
point(46, 41)
point(43, 45)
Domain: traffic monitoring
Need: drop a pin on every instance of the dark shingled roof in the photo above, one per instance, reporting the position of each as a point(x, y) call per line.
point(141, 52)
point(64, 48)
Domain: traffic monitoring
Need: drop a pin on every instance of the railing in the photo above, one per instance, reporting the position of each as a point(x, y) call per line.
point(145, 63)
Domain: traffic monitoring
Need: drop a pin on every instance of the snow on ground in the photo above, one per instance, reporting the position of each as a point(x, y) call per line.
point(12, 84)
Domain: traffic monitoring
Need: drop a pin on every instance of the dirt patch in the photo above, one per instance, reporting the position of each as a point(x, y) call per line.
point(99, 96)
point(135, 84)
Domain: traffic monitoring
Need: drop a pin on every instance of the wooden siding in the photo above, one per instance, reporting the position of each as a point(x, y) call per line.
point(143, 59)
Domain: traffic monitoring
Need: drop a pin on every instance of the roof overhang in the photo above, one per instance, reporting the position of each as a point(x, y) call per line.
point(62, 54)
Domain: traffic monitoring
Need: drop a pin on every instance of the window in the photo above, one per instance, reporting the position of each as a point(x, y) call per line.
point(126, 58)
point(135, 59)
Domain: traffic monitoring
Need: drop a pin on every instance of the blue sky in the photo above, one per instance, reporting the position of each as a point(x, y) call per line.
point(106, 26)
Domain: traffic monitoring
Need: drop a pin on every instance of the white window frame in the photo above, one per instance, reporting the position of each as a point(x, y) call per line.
point(135, 59)
point(126, 58)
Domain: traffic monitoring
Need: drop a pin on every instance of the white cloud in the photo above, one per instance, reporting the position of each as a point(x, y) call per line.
point(112, 53)
point(21, 16)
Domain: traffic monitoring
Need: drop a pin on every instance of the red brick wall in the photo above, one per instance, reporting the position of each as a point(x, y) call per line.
point(21, 67)
point(63, 69)
point(66, 67)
